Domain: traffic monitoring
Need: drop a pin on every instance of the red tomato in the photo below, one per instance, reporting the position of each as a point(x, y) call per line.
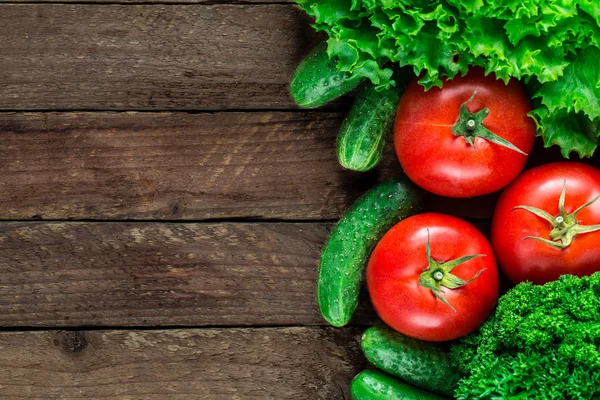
point(446, 164)
point(399, 277)
point(524, 258)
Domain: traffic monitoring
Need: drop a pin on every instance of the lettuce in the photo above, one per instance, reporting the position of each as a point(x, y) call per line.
point(550, 45)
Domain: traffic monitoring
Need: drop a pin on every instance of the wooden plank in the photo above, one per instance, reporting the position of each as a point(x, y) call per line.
point(171, 166)
point(149, 57)
point(207, 364)
point(157, 274)
point(180, 166)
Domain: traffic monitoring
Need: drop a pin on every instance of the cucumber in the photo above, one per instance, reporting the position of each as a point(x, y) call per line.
point(350, 243)
point(423, 364)
point(373, 385)
point(369, 124)
point(317, 81)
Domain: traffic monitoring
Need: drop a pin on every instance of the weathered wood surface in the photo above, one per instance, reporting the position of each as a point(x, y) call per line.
point(151, 274)
point(150, 57)
point(181, 166)
point(207, 364)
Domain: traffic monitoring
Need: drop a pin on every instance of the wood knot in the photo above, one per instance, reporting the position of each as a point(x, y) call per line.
point(71, 342)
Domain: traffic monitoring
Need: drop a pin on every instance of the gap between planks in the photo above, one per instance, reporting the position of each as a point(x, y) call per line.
point(93, 328)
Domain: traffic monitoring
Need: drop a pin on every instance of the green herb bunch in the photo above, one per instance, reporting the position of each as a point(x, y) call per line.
point(553, 46)
point(543, 342)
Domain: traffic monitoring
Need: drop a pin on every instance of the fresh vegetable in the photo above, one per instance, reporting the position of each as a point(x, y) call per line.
point(468, 139)
point(541, 343)
point(423, 364)
point(369, 124)
point(351, 241)
point(547, 223)
point(317, 81)
point(373, 385)
point(433, 277)
point(553, 45)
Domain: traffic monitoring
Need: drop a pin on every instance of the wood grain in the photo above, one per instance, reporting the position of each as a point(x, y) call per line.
point(182, 166)
point(149, 57)
point(207, 364)
point(156, 274)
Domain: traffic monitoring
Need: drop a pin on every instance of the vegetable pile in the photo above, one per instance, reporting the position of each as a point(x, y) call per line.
point(432, 279)
point(553, 46)
point(464, 86)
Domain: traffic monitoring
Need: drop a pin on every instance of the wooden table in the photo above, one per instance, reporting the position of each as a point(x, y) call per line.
point(164, 203)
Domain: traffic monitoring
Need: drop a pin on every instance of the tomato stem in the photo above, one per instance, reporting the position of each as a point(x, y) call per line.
point(565, 226)
point(438, 275)
point(470, 126)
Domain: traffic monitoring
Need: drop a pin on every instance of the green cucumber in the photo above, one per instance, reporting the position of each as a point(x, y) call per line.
point(317, 81)
point(369, 124)
point(423, 364)
point(351, 241)
point(373, 385)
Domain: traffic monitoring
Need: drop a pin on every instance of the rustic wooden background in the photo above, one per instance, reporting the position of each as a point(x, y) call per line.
point(163, 204)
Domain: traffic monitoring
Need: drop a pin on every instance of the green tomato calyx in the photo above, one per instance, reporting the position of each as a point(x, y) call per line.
point(438, 275)
point(470, 126)
point(565, 226)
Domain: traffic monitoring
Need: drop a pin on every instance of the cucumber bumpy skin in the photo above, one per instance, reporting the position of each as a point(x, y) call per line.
point(351, 241)
point(373, 385)
point(369, 124)
point(317, 81)
point(423, 364)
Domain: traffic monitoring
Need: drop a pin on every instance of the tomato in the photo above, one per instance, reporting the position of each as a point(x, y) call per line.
point(436, 298)
point(540, 246)
point(446, 164)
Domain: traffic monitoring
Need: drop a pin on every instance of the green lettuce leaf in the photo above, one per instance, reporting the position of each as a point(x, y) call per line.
point(578, 90)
